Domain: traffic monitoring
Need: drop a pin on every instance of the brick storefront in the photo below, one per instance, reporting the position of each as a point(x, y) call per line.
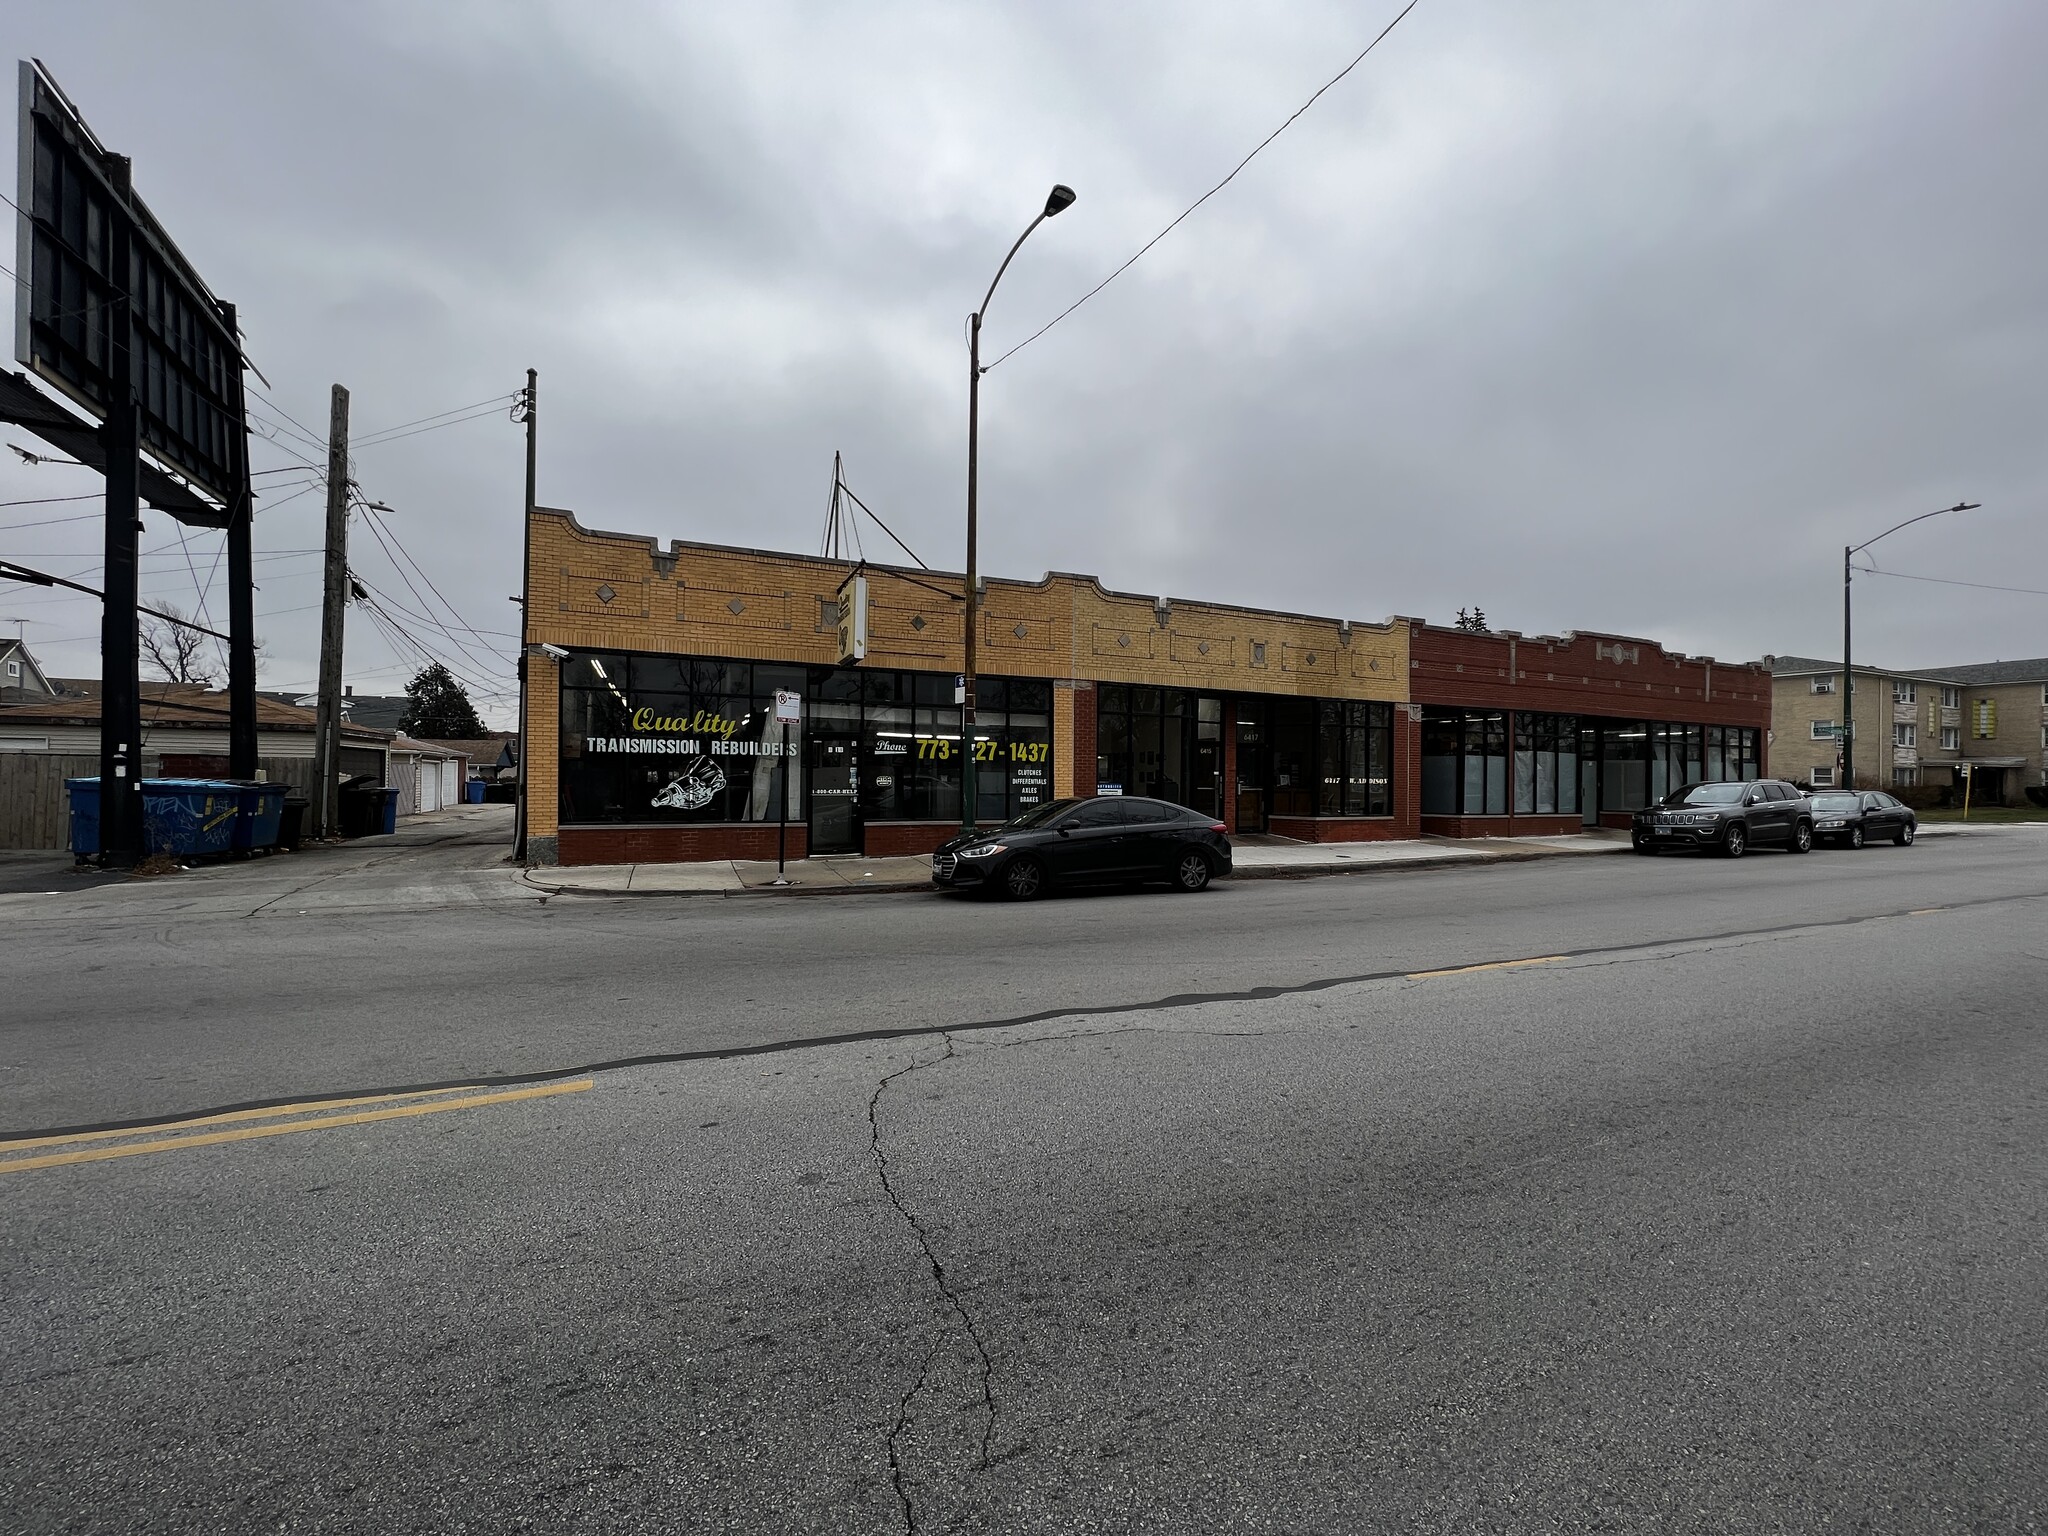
point(651, 743)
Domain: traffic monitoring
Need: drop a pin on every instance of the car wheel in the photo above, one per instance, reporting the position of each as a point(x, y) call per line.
point(1802, 837)
point(1024, 879)
point(1736, 844)
point(1905, 836)
point(1191, 873)
point(1855, 837)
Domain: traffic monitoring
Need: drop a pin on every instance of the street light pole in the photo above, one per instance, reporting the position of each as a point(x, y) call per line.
point(1060, 198)
point(1848, 674)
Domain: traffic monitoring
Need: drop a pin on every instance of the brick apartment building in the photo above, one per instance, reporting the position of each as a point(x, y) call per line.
point(654, 740)
point(1919, 727)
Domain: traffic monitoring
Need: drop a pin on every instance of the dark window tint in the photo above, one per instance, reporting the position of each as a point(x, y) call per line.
point(1149, 811)
point(1098, 813)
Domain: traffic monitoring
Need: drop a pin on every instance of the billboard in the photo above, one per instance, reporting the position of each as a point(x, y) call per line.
point(84, 241)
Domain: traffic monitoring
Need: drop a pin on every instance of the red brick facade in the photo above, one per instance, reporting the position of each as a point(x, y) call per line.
point(676, 845)
point(1608, 675)
point(891, 839)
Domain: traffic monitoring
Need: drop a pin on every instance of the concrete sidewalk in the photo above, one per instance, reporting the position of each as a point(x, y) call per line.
point(1251, 859)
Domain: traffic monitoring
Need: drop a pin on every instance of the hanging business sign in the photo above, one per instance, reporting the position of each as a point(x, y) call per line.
point(853, 620)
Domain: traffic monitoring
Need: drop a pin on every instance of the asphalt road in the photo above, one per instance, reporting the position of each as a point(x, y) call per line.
point(1711, 1200)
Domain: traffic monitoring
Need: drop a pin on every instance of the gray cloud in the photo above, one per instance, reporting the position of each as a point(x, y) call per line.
point(1611, 317)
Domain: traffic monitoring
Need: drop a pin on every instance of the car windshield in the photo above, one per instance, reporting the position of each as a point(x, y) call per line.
point(1041, 815)
point(1836, 803)
point(1706, 794)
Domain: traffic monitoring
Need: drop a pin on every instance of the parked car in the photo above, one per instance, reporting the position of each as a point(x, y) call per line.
point(1733, 816)
point(1862, 816)
point(1113, 840)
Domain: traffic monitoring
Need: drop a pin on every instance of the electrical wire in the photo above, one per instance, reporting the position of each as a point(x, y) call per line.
point(494, 402)
point(450, 607)
point(1247, 160)
point(38, 501)
point(1949, 581)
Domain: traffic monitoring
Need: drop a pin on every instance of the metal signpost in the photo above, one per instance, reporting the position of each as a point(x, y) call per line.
point(789, 710)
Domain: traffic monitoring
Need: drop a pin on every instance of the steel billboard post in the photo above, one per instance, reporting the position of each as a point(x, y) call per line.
point(110, 316)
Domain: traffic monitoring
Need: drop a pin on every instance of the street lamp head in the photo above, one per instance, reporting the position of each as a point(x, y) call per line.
point(1062, 197)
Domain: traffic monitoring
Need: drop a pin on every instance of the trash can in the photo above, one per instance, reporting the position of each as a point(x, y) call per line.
point(262, 812)
point(291, 824)
point(85, 817)
point(473, 791)
point(387, 815)
point(360, 805)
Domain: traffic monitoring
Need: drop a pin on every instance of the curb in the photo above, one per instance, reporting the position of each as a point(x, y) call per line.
point(901, 887)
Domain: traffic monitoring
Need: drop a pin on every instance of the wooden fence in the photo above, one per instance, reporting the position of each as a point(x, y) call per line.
point(35, 808)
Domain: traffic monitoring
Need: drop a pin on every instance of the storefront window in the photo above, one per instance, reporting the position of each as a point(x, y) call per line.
point(1355, 746)
point(1161, 742)
point(688, 739)
point(653, 739)
point(1546, 764)
point(1464, 762)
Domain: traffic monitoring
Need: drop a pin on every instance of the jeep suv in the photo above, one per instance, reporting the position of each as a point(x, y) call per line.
point(1731, 816)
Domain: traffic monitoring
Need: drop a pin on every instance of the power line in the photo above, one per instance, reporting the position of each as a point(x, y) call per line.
point(51, 522)
point(493, 402)
point(1247, 160)
point(458, 618)
point(371, 519)
point(1949, 581)
point(37, 501)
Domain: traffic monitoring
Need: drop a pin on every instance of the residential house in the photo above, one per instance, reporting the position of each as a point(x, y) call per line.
point(22, 679)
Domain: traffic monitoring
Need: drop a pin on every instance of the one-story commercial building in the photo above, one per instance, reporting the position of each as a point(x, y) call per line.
point(655, 739)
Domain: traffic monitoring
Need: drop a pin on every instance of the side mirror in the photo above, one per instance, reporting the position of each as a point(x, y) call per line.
point(1065, 831)
point(1752, 798)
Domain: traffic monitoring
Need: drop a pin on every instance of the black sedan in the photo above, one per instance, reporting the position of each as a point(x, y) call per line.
point(1865, 816)
point(1114, 840)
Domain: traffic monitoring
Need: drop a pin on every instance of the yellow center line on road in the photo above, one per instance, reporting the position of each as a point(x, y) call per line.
point(252, 1132)
point(270, 1112)
point(1493, 965)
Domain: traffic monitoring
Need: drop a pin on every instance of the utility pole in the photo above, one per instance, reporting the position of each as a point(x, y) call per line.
point(1848, 684)
point(121, 831)
point(532, 409)
point(327, 727)
point(241, 589)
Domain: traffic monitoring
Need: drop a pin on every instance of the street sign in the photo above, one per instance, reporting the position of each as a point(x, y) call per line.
point(959, 687)
point(789, 707)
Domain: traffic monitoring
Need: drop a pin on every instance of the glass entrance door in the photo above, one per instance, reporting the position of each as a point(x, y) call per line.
point(1251, 767)
point(835, 794)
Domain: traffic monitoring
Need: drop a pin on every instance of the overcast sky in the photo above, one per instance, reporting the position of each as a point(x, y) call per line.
point(1598, 315)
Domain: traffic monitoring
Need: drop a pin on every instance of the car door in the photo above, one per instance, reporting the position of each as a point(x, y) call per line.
point(1093, 843)
point(1761, 812)
point(1879, 817)
point(1152, 840)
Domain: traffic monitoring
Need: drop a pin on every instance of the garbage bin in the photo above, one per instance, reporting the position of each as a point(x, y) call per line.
point(262, 810)
point(186, 818)
point(473, 791)
point(387, 816)
point(360, 803)
point(291, 825)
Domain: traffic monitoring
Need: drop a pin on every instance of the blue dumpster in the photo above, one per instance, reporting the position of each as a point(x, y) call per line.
point(186, 818)
point(473, 791)
point(262, 809)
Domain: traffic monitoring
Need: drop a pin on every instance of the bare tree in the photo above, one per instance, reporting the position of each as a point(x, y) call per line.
point(174, 650)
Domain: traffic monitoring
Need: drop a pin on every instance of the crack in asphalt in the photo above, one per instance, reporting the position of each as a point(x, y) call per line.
point(959, 1307)
point(1645, 948)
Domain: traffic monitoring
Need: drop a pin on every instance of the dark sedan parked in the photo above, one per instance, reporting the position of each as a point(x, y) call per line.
point(1114, 840)
point(1865, 816)
point(1731, 816)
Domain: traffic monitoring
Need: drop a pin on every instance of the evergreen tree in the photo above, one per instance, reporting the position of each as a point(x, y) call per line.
point(440, 707)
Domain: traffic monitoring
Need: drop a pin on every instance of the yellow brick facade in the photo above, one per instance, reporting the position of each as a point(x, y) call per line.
point(608, 591)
